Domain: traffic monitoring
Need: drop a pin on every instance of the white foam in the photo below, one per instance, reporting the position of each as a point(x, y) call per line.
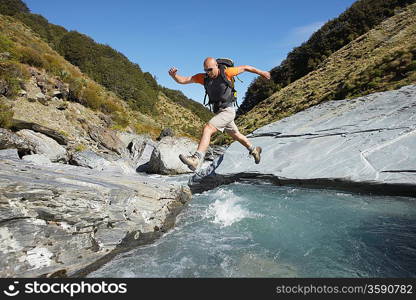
point(226, 210)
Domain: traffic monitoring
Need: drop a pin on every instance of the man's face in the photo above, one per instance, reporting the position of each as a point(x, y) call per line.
point(211, 68)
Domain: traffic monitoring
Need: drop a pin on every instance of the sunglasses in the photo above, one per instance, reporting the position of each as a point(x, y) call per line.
point(208, 70)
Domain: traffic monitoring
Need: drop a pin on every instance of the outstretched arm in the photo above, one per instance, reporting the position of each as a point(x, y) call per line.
point(252, 69)
point(178, 78)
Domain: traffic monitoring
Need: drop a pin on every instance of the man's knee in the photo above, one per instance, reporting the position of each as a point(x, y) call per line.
point(209, 128)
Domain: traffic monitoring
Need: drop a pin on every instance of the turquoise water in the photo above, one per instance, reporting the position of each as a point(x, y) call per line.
point(261, 230)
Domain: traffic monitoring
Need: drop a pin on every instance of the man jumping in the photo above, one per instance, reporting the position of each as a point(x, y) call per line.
point(222, 97)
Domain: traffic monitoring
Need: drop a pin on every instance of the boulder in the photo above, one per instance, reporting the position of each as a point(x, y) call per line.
point(57, 136)
point(165, 157)
point(89, 159)
point(62, 220)
point(9, 139)
point(363, 144)
point(44, 145)
point(166, 132)
point(139, 149)
point(106, 138)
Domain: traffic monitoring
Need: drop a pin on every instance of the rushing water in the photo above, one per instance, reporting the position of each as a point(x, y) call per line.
point(261, 230)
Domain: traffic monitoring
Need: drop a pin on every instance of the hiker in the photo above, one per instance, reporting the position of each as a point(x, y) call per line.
point(217, 82)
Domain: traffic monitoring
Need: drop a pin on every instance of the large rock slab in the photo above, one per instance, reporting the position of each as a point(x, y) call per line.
point(63, 220)
point(363, 143)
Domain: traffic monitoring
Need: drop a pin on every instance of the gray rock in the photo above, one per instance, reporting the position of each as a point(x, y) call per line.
point(361, 144)
point(166, 132)
point(4, 87)
point(62, 220)
point(165, 157)
point(106, 138)
point(100, 162)
point(57, 136)
point(9, 139)
point(37, 159)
point(5, 55)
point(89, 159)
point(44, 145)
point(214, 151)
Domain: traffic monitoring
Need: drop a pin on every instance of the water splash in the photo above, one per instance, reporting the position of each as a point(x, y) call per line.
point(227, 209)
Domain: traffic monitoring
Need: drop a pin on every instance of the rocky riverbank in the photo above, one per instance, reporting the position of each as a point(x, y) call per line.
point(61, 220)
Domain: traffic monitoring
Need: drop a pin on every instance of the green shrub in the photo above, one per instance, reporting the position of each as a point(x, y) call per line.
point(91, 96)
point(121, 119)
point(6, 45)
point(80, 147)
point(6, 115)
point(31, 57)
point(11, 73)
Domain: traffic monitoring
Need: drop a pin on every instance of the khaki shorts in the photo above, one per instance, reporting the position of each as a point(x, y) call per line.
point(224, 120)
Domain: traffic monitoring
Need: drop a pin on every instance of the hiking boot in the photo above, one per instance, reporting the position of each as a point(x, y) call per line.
point(256, 154)
point(191, 161)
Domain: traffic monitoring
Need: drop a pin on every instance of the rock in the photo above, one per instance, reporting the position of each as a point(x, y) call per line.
point(4, 87)
point(4, 55)
point(165, 157)
point(106, 138)
point(214, 151)
point(57, 136)
point(62, 106)
point(44, 145)
point(37, 159)
point(9, 139)
point(363, 144)
point(103, 162)
point(166, 132)
point(62, 220)
point(89, 159)
point(57, 94)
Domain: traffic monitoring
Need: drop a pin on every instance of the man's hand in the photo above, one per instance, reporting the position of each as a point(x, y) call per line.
point(178, 78)
point(266, 75)
point(172, 72)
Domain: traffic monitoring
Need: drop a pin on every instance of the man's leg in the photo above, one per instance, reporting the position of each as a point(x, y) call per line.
point(194, 160)
point(255, 151)
point(236, 135)
point(207, 132)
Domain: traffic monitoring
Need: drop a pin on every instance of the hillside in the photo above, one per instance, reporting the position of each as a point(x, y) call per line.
point(26, 61)
point(362, 16)
point(106, 66)
point(29, 66)
point(382, 59)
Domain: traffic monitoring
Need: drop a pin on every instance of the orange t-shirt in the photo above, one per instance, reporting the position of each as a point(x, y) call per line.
point(229, 72)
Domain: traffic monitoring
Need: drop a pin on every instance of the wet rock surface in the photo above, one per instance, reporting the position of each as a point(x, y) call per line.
point(360, 144)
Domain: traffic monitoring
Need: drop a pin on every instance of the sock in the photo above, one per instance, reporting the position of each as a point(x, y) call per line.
point(251, 148)
point(200, 154)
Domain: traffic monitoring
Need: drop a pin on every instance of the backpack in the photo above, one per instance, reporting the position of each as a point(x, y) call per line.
point(223, 64)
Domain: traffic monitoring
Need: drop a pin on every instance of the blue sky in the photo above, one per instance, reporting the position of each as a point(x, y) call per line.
point(158, 35)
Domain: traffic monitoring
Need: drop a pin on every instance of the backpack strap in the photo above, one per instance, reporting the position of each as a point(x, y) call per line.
point(224, 77)
point(206, 94)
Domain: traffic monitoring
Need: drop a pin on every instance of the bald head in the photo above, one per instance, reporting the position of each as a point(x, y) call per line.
point(210, 61)
point(211, 67)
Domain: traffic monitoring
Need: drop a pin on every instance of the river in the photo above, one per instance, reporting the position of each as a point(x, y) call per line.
point(262, 230)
